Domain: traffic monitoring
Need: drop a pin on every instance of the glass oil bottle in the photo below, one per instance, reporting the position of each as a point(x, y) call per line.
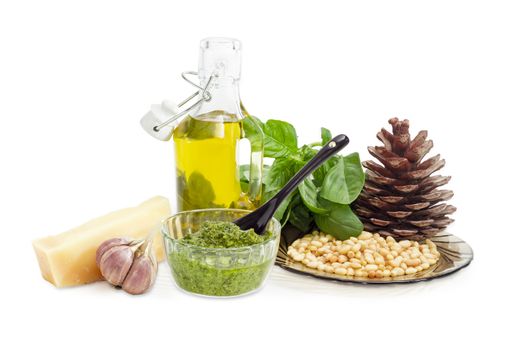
point(206, 141)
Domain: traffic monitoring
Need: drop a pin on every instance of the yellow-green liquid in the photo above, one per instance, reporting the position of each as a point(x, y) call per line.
point(206, 162)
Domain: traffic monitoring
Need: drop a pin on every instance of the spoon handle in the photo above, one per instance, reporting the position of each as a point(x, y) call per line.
point(259, 218)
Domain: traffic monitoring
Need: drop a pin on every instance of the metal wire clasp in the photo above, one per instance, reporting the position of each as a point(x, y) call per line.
point(206, 97)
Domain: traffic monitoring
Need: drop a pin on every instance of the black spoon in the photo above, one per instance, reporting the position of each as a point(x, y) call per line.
point(259, 218)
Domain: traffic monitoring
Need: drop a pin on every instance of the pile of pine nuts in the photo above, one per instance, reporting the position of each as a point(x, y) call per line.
point(368, 255)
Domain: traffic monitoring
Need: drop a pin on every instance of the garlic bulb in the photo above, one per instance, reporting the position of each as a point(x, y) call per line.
point(130, 264)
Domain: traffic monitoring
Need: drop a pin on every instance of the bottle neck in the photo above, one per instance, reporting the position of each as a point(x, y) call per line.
point(225, 96)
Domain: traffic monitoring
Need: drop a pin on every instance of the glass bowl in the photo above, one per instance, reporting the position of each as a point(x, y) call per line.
point(217, 272)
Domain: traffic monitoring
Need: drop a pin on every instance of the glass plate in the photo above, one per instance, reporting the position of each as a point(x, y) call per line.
point(455, 255)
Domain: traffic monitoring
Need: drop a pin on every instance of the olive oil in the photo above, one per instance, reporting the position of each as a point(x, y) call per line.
point(206, 165)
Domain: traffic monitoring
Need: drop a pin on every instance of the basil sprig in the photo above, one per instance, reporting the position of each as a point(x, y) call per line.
point(322, 200)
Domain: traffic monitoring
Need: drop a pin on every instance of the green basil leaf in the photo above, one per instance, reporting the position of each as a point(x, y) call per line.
point(266, 195)
point(253, 131)
point(326, 136)
point(344, 181)
point(301, 218)
point(280, 212)
point(285, 217)
point(245, 170)
point(319, 174)
point(279, 174)
point(195, 192)
point(280, 139)
point(306, 153)
point(252, 119)
point(340, 222)
point(244, 186)
point(309, 196)
point(286, 207)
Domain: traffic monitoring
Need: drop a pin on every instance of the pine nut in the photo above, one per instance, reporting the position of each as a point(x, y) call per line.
point(405, 244)
point(397, 271)
point(342, 258)
point(396, 262)
point(344, 249)
point(340, 271)
point(355, 265)
point(365, 236)
point(411, 270)
point(415, 254)
point(316, 243)
point(371, 267)
point(413, 262)
point(312, 264)
point(396, 247)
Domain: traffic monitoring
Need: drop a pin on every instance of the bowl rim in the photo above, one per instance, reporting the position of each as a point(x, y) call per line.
point(247, 247)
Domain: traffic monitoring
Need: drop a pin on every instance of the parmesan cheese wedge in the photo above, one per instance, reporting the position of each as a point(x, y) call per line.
point(69, 258)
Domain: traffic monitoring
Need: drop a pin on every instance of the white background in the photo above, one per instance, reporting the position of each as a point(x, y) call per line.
point(76, 76)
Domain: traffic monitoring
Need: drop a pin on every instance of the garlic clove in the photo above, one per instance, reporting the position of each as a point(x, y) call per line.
point(105, 246)
point(141, 275)
point(116, 262)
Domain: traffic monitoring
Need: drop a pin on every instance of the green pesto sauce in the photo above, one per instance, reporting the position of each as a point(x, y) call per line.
point(223, 273)
point(221, 234)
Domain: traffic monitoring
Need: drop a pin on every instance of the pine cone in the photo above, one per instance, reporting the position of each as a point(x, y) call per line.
point(401, 199)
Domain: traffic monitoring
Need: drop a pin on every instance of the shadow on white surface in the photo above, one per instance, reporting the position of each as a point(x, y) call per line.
point(281, 279)
point(289, 280)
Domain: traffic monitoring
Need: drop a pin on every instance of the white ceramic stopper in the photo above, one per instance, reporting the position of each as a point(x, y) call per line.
point(158, 114)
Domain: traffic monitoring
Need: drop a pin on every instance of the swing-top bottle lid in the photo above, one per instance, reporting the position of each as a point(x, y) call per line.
point(220, 57)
